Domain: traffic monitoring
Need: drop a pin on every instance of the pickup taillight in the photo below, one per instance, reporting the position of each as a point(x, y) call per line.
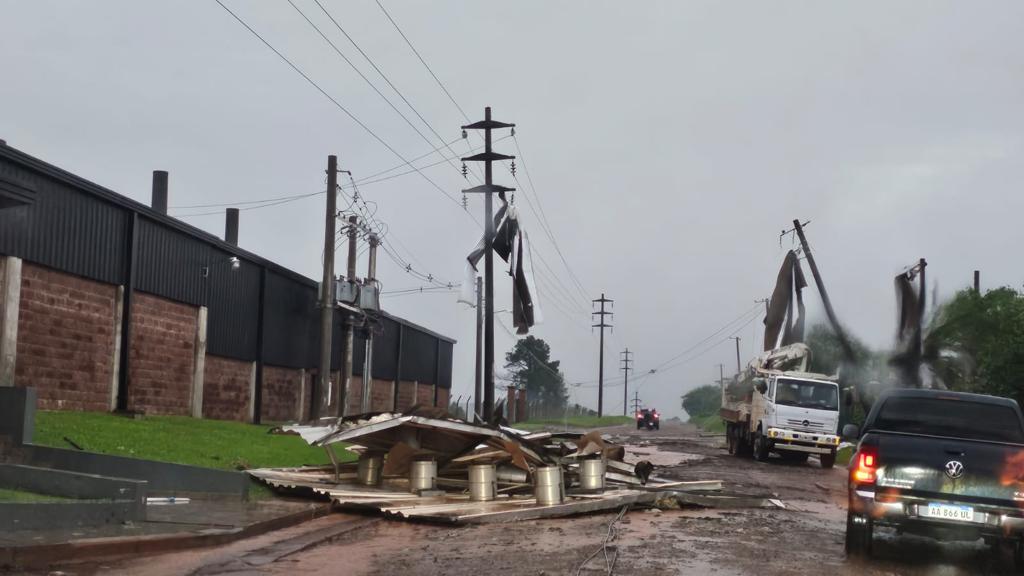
point(865, 466)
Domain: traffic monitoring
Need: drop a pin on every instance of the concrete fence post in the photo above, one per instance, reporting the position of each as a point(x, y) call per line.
point(115, 365)
point(10, 303)
point(199, 364)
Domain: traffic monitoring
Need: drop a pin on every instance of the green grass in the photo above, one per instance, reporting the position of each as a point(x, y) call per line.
point(20, 496)
point(711, 423)
point(844, 454)
point(575, 422)
point(179, 439)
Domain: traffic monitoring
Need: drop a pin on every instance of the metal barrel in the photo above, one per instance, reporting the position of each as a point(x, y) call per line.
point(483, 482)
point(369, 468)
point(422, 475)
point(548, 486)
point(592, 475)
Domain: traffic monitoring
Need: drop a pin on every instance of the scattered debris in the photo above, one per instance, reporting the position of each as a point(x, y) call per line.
point(535, 475)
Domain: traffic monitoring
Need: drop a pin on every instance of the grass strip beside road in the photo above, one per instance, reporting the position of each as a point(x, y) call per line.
point(585, 422)
point(179, 439)
point(712, 424)
point(8, 495)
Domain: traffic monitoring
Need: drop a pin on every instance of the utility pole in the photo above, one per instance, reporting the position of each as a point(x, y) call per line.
point(478, 375)
point(847, 349)
point(600, 363)
point(977, 282)
point(323, 395)
point(626, 361)
point(636, 402)
point(766, 301)
point(350, 330)
point(737, 339)
point(488, 188)
point(370, 280)
point(721, 376)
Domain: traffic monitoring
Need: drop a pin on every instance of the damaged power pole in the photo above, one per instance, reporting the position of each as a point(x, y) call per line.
point(488, 188)
point(323, 389)
point(600, 363)
point(626, 367)
point(737, 339)
point(840, 333)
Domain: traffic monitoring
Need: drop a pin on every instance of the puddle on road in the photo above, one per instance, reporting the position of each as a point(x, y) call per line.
point(636, 453)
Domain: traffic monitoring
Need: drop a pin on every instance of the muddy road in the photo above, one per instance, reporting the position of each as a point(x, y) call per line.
point(804, 537)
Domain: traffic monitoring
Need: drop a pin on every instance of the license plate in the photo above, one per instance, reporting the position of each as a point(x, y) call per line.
point(949, 512)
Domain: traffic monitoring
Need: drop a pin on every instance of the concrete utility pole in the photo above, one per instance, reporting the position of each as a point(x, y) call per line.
point(721, 376)
point(478, 374)
point(977, 281)
point(371, 278)
point(323, 395)
point(350, 329)
point(626, 361)
point(488, 188)
point(737, 339)
point(636, 402)
point(847, 349)
point(600, 363)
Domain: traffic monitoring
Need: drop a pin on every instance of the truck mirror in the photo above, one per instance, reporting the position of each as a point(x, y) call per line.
point(760, 385)
point(850, 432)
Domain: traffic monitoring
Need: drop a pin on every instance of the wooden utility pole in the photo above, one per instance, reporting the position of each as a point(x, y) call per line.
point(847, 349)
point(977, 282)
point(626, 361)
point(370, 280)
point(737, 339)
point(488, 188)
point(478, 374)
point(323, 395)
point(350, 329)
point(600, 363)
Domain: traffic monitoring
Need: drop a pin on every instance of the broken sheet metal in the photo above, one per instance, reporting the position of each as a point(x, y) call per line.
point(455, 445)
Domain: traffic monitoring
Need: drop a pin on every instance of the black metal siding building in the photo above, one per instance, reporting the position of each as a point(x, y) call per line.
point(81, 228)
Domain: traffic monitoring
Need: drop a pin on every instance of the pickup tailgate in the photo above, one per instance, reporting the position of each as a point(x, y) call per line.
point(950, 469)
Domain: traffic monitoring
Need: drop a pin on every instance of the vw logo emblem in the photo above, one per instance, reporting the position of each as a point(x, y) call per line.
point(954, 469)
point(806, 423)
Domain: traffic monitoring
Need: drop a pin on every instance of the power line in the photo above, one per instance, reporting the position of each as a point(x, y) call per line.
point(424, 62)
point(389, 82)
point(339, 105)
point(367, 80)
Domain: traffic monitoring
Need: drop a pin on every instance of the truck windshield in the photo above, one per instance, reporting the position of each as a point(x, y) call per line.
point(950, 417)
point(816, 395)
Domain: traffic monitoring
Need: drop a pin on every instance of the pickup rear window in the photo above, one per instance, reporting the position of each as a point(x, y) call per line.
point(950, 417)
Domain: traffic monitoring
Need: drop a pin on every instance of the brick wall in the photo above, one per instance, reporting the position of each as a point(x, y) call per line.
point(226, 384)
point(424, 394)
point(443, 394)
point(162, 355)
point(281, 390)
point(381, 399)
point(354, 398)
point(406, 395)
point(65, 339)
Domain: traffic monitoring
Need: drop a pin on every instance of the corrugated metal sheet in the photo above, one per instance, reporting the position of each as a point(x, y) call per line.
point(291, 332)
point(419, 356)
point(233, 301)
point(385, 350)
point(64, 229)
point(444, 379)
point(170, 263)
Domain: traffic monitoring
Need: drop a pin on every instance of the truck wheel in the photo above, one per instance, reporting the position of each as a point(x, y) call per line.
point(761, 448)
point(828, 460)
point(859, 535)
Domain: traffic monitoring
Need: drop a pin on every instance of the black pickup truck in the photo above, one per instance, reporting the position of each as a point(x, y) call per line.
point(943, 464)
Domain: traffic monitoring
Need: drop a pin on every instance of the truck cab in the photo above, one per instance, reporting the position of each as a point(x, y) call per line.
point(795, 416)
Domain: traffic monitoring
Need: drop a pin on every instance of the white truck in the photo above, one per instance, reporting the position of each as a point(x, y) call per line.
point(775, 405)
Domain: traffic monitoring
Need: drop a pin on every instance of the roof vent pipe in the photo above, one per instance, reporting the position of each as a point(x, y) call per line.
point(231, 226)
point(160, 191)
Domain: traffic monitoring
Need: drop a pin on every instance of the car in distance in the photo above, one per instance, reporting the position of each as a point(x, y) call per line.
point(648, 418)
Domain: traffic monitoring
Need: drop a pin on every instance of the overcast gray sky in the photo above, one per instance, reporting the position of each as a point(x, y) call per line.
point(669, 142)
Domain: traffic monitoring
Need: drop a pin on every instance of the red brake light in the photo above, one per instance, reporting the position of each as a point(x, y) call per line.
point(656, 415)
point(867, 465)
point(638, 416)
